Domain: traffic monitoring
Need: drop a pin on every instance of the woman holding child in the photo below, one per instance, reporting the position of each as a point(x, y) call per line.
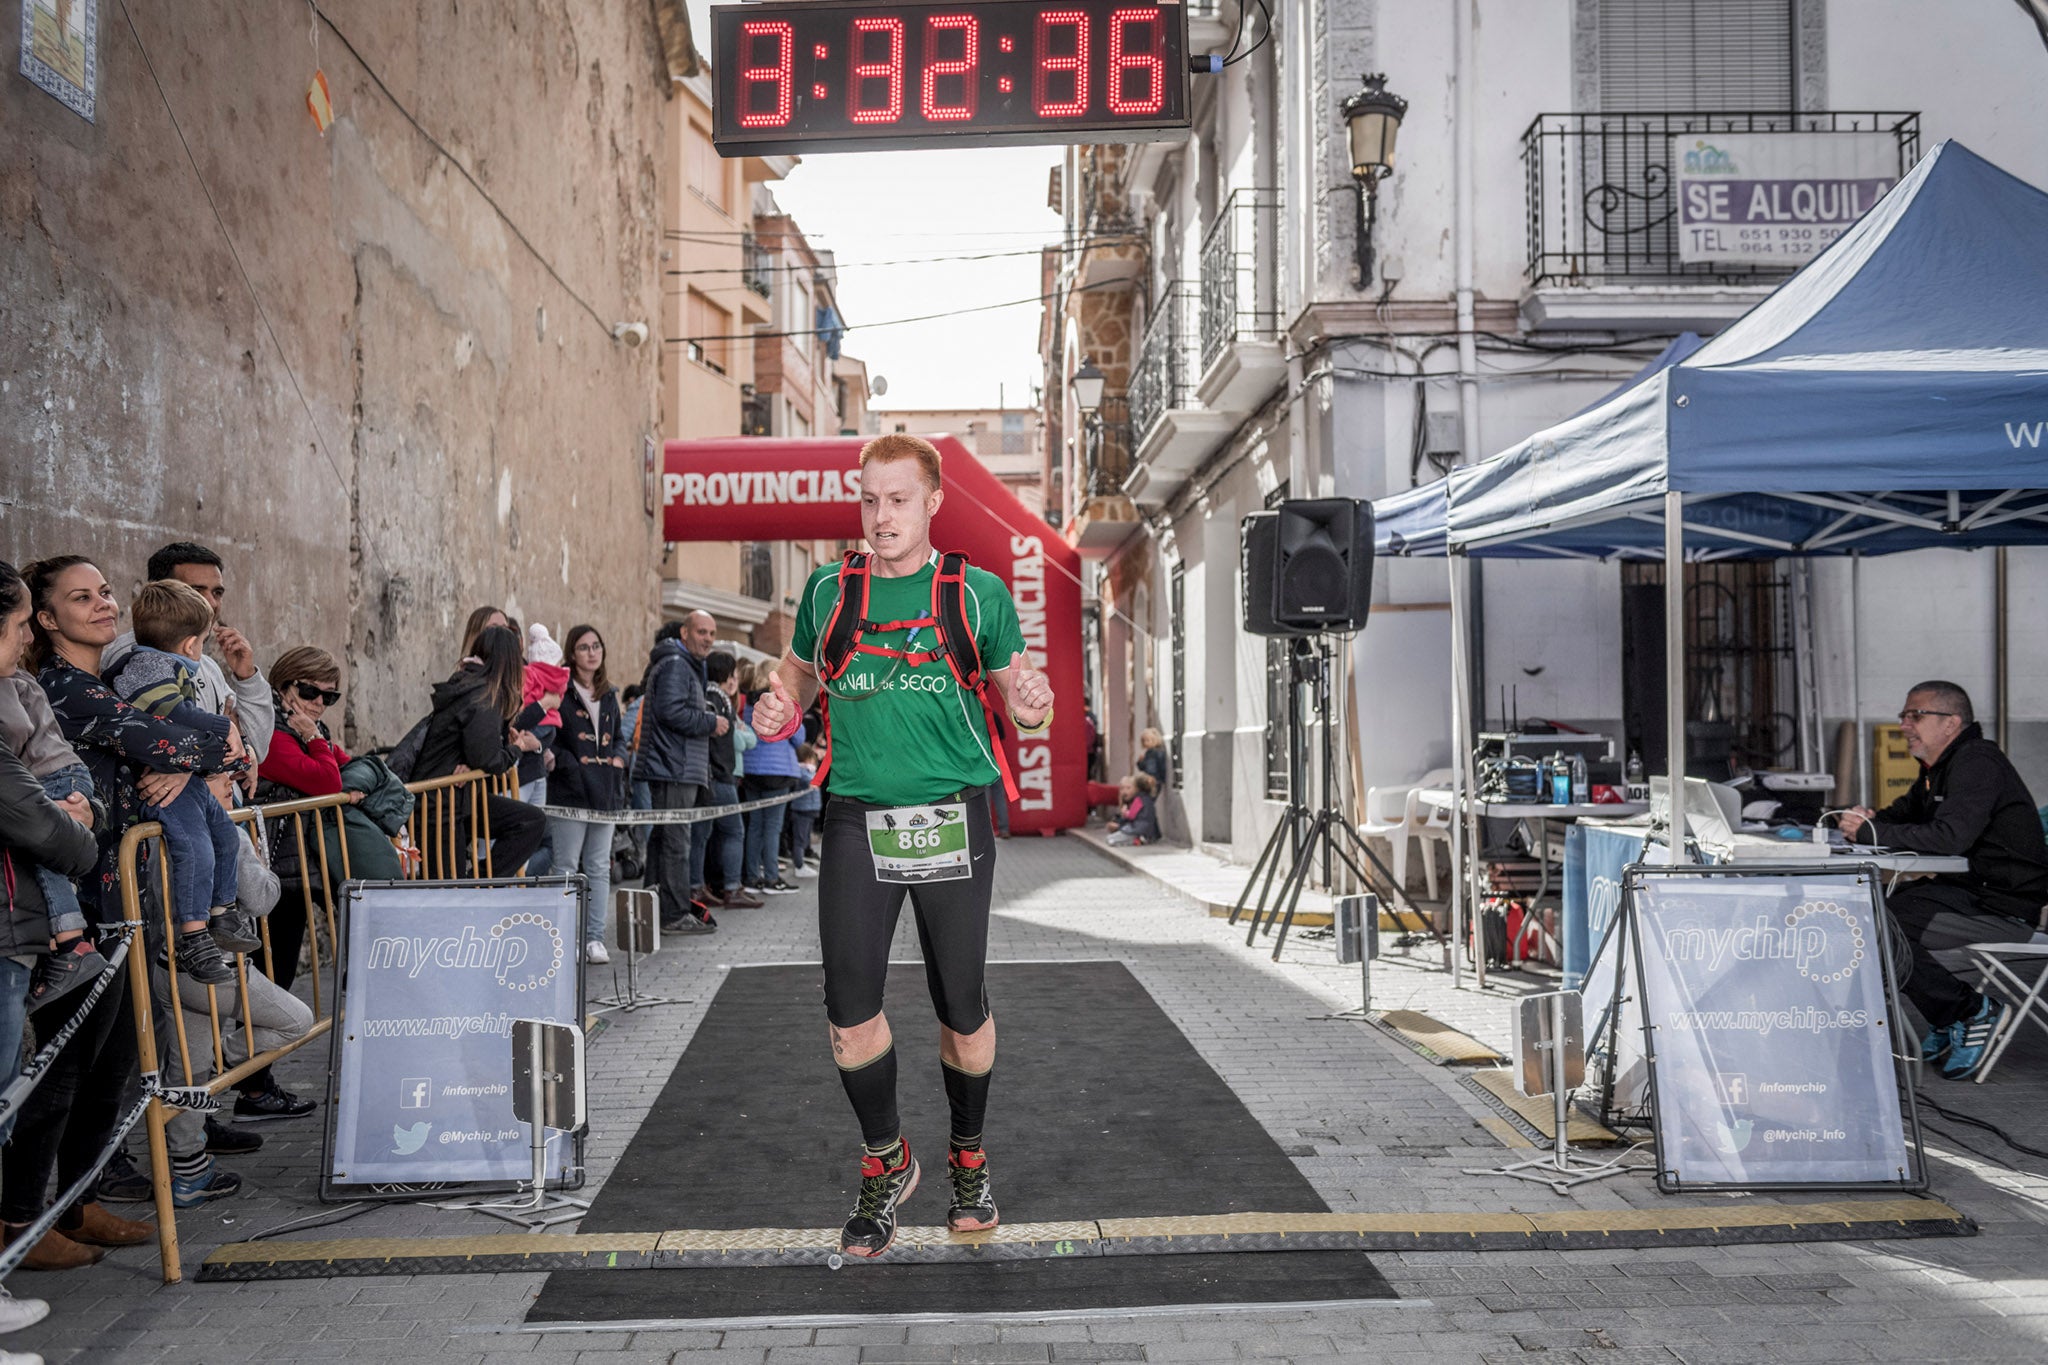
point(136, 761)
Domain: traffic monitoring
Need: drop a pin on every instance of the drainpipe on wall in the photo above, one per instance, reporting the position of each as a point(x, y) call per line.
point(1465, 144)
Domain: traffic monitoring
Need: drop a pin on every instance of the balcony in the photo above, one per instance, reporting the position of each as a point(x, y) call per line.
point(1175, 433)
point(1241, 354)
point(757, 268)
point(1103, 516)
point(1603, 217)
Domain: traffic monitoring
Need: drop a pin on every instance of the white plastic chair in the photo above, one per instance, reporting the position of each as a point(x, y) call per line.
point(1432, 824)
point(2025, 999)
point(1388, 815)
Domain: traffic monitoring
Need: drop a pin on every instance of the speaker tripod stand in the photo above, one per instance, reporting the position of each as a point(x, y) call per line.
point(1304, 834)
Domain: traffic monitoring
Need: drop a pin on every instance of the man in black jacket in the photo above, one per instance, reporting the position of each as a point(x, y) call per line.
point(677, 727)
point(1968, 801)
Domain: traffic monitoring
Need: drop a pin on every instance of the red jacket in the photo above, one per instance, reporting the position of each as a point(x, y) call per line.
point(312, 769)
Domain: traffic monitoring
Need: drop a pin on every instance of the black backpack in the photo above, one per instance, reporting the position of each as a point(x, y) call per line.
point(405, 754)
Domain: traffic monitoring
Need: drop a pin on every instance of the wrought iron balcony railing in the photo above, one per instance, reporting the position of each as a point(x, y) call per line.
point(757, 268)
point(1239, 256)
point(1168, 361)
point(1603, 205)
point(1108, 461)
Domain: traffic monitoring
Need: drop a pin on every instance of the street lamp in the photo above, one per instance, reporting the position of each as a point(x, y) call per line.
point(1373, 118)
point(1088, 382)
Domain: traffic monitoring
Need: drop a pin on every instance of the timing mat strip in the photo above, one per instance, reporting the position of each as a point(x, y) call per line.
point(1687, 1225)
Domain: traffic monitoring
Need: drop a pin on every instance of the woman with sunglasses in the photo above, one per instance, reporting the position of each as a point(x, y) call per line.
point(304, 760)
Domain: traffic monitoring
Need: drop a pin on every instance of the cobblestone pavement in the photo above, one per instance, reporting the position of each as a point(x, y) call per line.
point(1370, 1123)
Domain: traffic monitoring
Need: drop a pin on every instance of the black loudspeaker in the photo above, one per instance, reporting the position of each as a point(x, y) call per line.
point(1323, 574)
point(1259, 559)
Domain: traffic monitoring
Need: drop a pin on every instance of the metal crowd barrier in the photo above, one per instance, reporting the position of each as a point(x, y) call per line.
point(446, 811)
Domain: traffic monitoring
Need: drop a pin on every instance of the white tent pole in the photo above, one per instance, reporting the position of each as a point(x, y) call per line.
point(1460, 791)
point(1674, 665)
point(1862, 792)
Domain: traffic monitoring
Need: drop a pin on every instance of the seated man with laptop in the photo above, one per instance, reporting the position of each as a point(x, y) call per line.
point(1968, 800)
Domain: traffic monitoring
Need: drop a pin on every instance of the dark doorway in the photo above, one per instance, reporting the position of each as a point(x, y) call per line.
point(1739, 666)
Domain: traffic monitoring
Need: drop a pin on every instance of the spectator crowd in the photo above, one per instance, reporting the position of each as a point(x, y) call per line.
point(175, 721)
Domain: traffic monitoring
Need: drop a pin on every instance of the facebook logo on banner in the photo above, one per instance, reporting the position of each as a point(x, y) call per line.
point(415, 1092)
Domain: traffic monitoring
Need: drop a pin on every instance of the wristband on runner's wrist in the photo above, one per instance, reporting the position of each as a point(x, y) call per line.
point(788, 729)
point(1038, 729)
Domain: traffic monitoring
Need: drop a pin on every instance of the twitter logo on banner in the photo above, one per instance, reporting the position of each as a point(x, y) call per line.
point(406, 1141)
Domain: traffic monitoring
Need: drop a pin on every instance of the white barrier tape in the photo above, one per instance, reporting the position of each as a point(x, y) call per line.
point(31, 1073)
point(694, 815)
point(25, 1241)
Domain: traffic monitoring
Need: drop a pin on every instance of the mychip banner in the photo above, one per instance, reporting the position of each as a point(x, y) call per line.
point(1767, 1002)
point(435, 973)
point(1775, 198)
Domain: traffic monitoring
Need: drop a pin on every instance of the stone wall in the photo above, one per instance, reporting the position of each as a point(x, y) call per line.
point(384, 391)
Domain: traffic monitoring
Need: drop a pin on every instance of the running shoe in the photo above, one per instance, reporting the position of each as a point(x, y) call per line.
point(974, 1200)
point(121, 1183)
point(224, 1139)
point(872, 1227)
point(211, 1182)
point(270, 1103)
point(1972, 1040)
point(1938, 1041)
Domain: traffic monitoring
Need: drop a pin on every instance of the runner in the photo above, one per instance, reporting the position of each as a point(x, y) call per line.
point(910, 750)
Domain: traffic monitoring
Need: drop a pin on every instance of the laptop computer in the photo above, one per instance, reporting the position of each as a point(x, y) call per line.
point(1713, 810)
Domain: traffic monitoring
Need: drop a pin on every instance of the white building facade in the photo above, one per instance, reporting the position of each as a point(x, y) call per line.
point(1525, 263)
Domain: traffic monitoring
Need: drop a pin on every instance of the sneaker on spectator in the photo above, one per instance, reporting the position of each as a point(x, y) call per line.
point(781, 888)
point(21, 1357)
point(741, 899)
point(212, 1182)
point(224, 1139)
point(807, 870)
point(1973, 1040)
point(692, 924)
point(121, 1183)
point(235, 931)
point(59, 973)
point(272, 1102)
point(16, 1314)
point(595, 954)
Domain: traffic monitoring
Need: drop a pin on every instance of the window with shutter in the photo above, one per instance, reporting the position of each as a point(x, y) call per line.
point(709, 332)
point(1696, 54)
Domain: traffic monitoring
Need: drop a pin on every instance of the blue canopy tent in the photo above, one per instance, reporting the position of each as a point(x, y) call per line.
point(1892, 395)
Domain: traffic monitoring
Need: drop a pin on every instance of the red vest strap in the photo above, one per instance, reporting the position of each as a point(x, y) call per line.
point(963, 659)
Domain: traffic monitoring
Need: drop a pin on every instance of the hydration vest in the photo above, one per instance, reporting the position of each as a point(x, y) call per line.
point(841, 642)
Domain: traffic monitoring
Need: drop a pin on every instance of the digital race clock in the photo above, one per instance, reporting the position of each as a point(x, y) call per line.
point(867, 75)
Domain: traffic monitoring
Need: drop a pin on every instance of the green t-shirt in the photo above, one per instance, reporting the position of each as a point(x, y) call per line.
point(919, 737)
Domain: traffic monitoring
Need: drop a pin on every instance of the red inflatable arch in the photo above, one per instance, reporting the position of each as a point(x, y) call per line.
point(807, 488)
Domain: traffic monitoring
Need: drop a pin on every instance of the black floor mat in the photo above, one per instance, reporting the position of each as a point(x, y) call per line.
point(1100, 1109)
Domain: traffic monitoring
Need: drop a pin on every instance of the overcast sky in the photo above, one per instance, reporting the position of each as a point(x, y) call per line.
point(876, 207)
